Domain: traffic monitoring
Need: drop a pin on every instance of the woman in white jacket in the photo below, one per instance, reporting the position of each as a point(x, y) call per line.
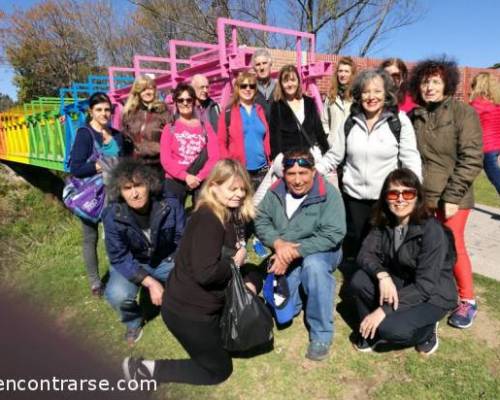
point(379, 139)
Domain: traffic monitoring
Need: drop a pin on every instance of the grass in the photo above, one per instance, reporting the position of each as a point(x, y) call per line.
point(485, 192)
point(44, 241)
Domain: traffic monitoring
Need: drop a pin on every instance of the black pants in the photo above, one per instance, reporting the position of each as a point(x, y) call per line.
point(407, 327)
point(358, 213)
point(181, 190)
point(209, 362)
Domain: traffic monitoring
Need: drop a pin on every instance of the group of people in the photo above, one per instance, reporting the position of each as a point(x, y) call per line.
point(381, 178)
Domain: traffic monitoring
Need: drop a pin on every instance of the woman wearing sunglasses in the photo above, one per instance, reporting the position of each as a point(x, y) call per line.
point(246, 139)
point(405, 285)
point(396, 68)
point(182, 143)
point(374, 140)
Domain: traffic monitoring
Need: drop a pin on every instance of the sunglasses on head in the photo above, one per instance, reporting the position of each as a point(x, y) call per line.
point(302, 162)
point(252, 86)
point(408, 194)
point(182, 100)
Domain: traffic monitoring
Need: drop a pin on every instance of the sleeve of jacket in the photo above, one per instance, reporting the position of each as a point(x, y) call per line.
point(429, 263)
point(213, 153)
point(274, 130)
point(222, 136)
point(335, 155)
point(408, 153)
point(371, 257)
point(209, 266)
point(80, 152)
point(321, 135)
point(469, 158)
point(168, 163)
point(325, 121)
point(264, 224)
point(332, 227)
point(119, 254)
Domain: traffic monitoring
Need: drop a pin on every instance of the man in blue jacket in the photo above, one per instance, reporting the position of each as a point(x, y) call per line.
point(143, 226)
point(302, 218)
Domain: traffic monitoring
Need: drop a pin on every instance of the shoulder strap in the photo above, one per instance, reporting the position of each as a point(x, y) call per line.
point(227, 119)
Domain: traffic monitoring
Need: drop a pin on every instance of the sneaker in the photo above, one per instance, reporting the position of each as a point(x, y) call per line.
point(135, 370)
point(430, 345)
point(133, 335)
point(317, 351)
point(97, 291)
point(367, 345)
point(463, 316)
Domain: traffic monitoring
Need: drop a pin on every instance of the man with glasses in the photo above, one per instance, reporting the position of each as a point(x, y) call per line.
point(261, 64)
point(206, 108)
point(302, 218)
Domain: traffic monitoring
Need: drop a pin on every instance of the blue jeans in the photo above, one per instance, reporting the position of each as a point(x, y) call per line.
point(492, 169)
point(122, 293)
point(315, 274)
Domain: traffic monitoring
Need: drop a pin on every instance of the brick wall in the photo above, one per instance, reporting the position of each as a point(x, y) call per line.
point(283, 57)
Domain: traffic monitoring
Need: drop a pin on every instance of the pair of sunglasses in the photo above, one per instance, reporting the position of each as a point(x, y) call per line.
point(252, 86)
point(303, 162)
point(408, 194)
point(181, 100)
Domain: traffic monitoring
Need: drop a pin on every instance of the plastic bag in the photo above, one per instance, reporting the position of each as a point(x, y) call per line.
point(85, 197)
point(246, 321)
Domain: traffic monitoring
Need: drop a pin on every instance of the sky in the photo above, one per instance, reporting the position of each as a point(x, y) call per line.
point(467, 30)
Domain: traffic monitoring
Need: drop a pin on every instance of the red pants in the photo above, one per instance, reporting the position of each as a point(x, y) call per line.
point(463, 267)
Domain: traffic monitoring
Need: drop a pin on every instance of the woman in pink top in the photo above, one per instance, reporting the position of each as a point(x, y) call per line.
point(183, 142)
point(396, 68)
point(485, 98)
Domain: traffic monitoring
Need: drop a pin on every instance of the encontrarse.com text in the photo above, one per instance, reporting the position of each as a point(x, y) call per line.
point(55, 384)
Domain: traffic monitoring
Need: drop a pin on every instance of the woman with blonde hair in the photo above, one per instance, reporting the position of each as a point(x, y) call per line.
point(246, 139)
point(338, 102)
point(485, 99)
point(212, 241)
point(295, 122)
point(144, 117)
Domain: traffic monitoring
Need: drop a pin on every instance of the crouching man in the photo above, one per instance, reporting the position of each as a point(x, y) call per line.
point(143, 226)
point(302, 218)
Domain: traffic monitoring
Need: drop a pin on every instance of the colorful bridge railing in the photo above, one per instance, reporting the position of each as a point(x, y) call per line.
point(41, 132)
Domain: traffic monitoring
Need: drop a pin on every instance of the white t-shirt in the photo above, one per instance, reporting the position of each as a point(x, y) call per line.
point(293, 203)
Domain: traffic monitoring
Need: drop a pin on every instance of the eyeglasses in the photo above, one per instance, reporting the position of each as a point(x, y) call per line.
point(408, 194)
point(252, 86)
point(303, 162)
point(184, 100)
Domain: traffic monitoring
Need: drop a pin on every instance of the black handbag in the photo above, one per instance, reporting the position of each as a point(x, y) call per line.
point(246, 321)
point(199, 162)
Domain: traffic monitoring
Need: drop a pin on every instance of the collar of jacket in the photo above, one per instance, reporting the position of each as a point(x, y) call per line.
point(156, 106)
point(422, 111)
point(209, 102)
point(360, 119)
point(317, 194)
point(414, 230)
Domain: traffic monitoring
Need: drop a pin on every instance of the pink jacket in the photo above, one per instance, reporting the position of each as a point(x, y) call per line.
point(180, 144)
point(489, 115)
point(236, 148)
point(408, 104)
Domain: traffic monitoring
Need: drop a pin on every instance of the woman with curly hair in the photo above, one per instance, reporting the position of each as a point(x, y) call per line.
point(339, 99)
point(450, 144)
point(398, 71)
point(485, 98)
point(144, 117)
point(367, 148)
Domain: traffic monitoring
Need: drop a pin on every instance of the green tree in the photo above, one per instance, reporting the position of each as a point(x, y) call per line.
point(6, 102)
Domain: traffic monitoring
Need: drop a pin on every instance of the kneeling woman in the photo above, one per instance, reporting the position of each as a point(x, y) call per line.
point(405, 285)
point(194, 293)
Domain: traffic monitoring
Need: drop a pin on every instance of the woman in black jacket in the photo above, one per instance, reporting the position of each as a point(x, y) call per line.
point(194, 293)
point(405, 285)
point(295, 121)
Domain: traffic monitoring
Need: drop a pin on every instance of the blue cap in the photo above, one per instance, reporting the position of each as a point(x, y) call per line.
point(277, 296)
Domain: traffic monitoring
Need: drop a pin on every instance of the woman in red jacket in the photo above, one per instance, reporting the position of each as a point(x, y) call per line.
point(243, 131)
point(485, 98)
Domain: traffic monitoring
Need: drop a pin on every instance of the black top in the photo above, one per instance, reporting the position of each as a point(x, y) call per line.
point(196, 285)
point(285, 132)
point(423, 262)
